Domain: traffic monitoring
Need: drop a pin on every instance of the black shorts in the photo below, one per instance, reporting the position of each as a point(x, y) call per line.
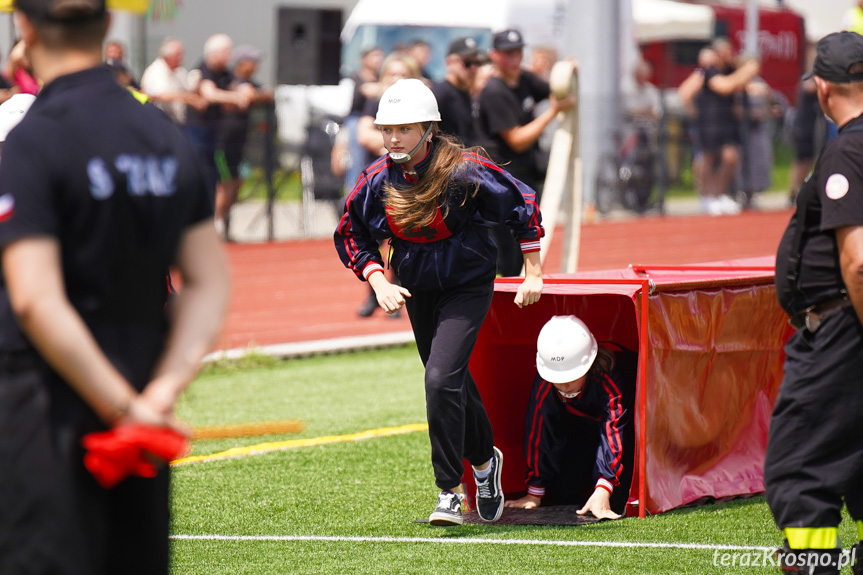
point(54, 517)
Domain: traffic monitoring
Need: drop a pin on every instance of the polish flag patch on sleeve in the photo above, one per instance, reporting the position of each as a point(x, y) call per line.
point(7, 207)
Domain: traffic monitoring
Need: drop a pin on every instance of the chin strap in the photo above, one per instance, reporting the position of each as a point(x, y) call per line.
point(401, 158)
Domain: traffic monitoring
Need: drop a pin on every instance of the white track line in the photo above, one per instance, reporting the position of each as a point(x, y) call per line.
point(468, 541)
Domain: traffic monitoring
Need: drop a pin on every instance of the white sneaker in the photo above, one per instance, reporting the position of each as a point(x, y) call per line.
point(448, 510)
point(728, 205)
point(712, 206)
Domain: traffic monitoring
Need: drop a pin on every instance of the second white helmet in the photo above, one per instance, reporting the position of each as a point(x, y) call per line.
point(565, 349)
point(408, 101)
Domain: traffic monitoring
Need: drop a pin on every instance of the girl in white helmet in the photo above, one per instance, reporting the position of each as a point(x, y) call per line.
point(579, 437)
point(434, 201)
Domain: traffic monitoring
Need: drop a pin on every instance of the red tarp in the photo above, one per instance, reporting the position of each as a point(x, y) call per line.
point(710, 365)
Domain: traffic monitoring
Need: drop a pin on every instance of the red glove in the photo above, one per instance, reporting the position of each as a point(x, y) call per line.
point(116, 454)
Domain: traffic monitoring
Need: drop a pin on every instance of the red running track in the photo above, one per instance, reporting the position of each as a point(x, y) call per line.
point(299, 291)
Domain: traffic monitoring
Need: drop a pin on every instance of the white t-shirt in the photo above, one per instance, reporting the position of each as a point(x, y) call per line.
point(158, 79)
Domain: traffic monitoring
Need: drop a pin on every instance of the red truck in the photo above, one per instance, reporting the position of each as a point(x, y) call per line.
point(781, 42)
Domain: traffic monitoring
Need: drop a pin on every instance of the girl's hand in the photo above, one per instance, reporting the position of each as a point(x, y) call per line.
point(529, 291)
point(390, 297)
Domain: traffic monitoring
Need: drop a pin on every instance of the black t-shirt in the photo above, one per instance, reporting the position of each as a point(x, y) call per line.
point(502, 108)
point(358, 102)
point(716, 111)
point(234, 125)
point(116, 183)
point(455, 112)
point(834, 199)
point(210, 117)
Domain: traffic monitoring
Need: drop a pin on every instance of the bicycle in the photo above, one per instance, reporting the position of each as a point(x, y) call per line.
point(627, 176)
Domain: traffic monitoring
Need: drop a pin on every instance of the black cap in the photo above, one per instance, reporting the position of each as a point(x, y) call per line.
point(62, 10)
point(834, 56)
point(508, 40)
point(465, 47)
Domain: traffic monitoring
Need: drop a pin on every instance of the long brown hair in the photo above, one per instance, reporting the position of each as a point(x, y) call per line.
point(415, 206)
point(603, 363)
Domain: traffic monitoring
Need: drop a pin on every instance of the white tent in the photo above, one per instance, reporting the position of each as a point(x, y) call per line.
point(657, 20)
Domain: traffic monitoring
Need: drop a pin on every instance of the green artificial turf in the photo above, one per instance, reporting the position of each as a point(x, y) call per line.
point(378, 488)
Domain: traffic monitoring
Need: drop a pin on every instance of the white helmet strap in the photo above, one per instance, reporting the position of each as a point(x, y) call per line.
point(401, 157)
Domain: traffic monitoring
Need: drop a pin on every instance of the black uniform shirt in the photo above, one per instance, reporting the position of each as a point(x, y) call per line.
point(116, 183)
point(211, 116)
point(502, 108)
point(835, 200)
point(455, 112)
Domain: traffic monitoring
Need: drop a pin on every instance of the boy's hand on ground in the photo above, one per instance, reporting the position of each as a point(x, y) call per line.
point(599, 505)
point(526, 502)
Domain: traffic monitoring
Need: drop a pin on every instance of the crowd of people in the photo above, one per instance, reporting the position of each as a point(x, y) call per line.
point(211, 101)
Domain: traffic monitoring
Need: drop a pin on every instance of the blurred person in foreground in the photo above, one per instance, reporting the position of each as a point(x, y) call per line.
point(814, 460)
point(579, 433)
point(100, 195)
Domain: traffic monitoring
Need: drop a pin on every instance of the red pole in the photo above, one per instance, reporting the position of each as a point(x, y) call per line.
point(642, 404)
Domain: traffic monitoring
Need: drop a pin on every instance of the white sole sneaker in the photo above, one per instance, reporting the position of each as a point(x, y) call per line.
point(495, 477)
point(447, 516)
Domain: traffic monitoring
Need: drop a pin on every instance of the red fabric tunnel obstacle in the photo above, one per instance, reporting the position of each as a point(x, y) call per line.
point(710, 340)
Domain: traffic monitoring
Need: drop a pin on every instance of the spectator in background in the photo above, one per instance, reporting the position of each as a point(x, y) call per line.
point(396, 66)
point(234, 130)
point(642, 104)
point(213, 81)
point(689, 92)
point(542, 60)
point(453, 94)
point(166, 82)
point(806, 119)
point(757, 162)
point(718, 129)
point(115, 52)
point(121, 73)
point(420, 51)
point(365, 86)
point(509, 130)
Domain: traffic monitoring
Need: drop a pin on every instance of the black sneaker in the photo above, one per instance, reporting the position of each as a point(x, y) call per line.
point(369, 306)
point(489, 494)
point(448, 511)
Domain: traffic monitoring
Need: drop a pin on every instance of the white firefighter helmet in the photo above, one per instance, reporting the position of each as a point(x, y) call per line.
point(408, 101)
point(565, 349)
